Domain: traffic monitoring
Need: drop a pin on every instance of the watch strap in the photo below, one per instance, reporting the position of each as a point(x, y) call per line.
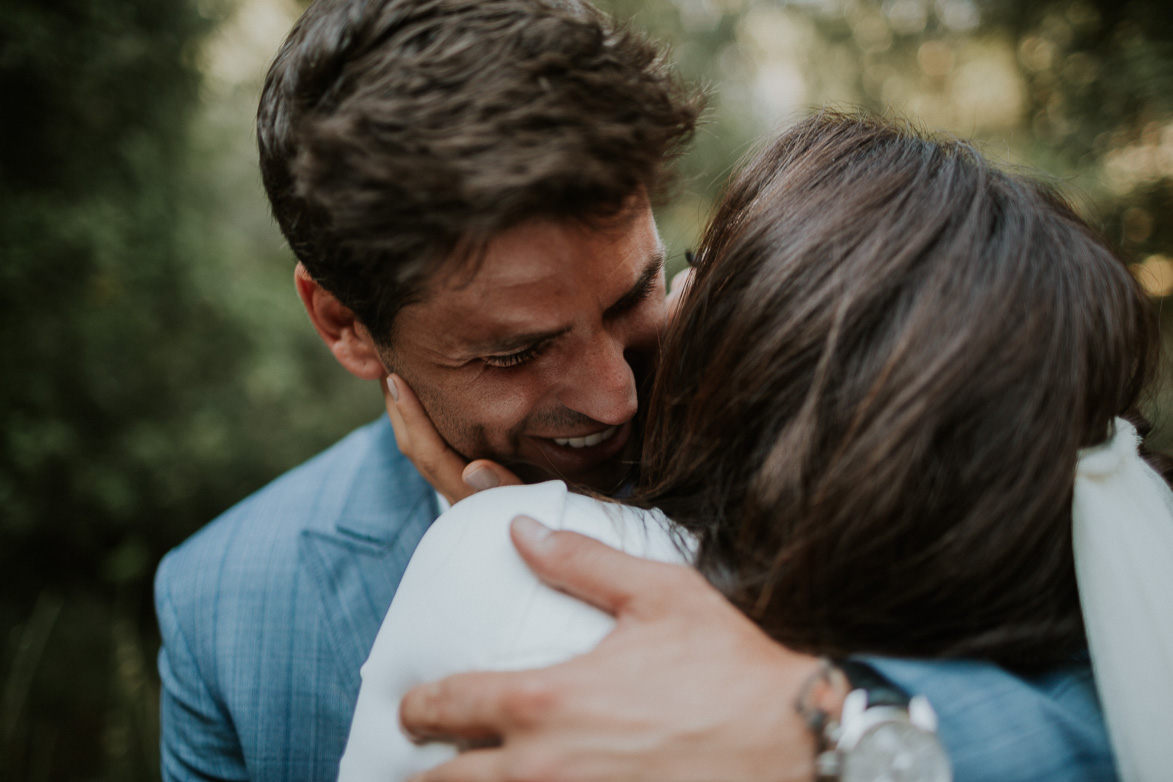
point(880, 691)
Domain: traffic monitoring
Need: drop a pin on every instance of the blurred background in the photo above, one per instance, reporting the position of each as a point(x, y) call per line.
point(155, 364)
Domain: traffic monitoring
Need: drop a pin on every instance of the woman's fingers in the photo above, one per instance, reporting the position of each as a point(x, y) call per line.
point(419, 441)
point(444, 468)
point(484, 474)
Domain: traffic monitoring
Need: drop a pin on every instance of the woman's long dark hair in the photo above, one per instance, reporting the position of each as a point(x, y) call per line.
point(870, 407)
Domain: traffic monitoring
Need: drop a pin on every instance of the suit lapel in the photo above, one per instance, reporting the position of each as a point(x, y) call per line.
point(356, 566)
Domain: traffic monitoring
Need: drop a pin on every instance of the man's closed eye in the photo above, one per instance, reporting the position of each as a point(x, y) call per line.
point(523, 356)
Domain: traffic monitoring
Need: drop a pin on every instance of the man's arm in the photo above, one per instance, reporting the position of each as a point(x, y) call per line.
point(198, 741)
point(1045, 727)
point(687, 689)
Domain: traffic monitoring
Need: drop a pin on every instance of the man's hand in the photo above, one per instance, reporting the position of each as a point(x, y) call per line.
point(684, 689)
point(418, 440)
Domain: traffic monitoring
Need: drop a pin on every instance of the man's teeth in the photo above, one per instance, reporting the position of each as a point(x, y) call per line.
point(590, 439)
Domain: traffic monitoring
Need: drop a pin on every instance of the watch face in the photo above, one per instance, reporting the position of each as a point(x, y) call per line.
point(896, 751)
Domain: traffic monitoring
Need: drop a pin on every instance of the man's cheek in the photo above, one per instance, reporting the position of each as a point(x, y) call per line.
point(493, 420)
point(510, 400)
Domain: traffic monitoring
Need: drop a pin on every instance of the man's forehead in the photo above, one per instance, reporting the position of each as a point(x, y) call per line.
point(532, 248)
point(532, 279)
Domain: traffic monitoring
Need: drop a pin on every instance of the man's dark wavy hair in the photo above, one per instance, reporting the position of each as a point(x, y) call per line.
point(397, 134)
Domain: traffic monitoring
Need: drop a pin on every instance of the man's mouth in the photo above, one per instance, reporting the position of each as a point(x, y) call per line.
point(596, 459)
point(588, 440)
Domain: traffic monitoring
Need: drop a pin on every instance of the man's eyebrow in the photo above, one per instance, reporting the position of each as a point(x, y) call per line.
point(514, 342)
point(634, 295)
point(640, 290)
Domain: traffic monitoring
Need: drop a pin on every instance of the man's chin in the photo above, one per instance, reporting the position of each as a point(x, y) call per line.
point(604, 468)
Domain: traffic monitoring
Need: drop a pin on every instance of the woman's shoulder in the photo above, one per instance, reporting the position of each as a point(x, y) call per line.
point(640, 532)
point(644, 533)
point(544, 499)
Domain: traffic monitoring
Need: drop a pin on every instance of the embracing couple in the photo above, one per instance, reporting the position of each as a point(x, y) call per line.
point(876, 472)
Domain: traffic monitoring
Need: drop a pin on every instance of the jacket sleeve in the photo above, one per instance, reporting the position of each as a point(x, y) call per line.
point(998, 725)
point(198, 740)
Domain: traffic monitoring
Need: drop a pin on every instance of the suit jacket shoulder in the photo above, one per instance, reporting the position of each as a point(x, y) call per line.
point(268, 612)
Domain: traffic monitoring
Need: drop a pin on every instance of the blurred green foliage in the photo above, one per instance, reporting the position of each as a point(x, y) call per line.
point(155, 365)
point(1081, 89)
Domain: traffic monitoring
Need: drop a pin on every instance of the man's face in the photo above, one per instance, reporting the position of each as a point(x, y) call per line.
point(534, 359)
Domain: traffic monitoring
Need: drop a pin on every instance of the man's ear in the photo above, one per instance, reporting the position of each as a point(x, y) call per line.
point(349, 341)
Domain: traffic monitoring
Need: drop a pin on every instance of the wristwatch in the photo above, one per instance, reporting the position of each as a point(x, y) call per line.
point(882, 735)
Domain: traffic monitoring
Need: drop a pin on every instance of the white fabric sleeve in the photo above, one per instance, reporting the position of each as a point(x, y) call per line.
point(468, 602)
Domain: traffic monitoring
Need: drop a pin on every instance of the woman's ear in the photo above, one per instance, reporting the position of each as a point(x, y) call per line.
point(349, 341)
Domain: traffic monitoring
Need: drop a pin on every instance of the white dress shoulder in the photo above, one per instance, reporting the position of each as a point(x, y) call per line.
point(468, 602)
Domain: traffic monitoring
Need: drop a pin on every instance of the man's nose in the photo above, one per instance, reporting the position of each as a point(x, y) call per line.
point(602, 385)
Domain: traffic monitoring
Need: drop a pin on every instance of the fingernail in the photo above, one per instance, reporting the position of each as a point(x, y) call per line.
point(482, 478)
point(393, 387)
point(532, 530)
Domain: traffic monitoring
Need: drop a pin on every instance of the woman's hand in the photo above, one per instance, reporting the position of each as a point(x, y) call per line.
point(441, 466)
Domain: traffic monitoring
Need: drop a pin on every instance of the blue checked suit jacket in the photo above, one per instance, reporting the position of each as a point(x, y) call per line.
point(268, 613)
